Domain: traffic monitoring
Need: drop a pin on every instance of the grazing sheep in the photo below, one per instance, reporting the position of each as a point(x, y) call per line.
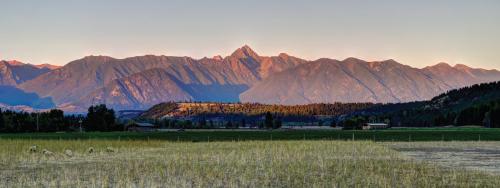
point(47, 152)
point(110, 150)
point(68, 153)
point(90, 150)
point(33, 149)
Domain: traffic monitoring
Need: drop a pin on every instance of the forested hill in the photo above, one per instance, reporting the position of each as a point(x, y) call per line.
point(250, 109)
point(473, 105)
point(458, 99)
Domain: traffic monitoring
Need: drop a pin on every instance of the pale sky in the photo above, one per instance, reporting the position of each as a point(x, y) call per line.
point(416, 33)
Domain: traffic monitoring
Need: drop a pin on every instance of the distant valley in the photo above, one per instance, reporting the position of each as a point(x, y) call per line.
point(243, 76)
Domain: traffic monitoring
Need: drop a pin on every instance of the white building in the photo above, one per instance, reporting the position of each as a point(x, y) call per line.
point(370, 126)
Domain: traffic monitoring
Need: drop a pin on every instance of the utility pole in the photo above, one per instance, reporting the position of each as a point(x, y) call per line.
point(37, 125)
point(80, 122)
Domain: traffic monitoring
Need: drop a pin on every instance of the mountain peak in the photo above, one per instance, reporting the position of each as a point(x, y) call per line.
point(98, 58)
point(15, 63)
point(442, 64)
point(284, 55)
point(390, 61)
point(245, 52)
point(48, 66)
point(217, 58)
point(246, 47)
point(352, 59)
point(461, 66)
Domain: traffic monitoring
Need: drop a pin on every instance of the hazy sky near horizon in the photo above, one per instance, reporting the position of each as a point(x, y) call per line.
point(416, 33)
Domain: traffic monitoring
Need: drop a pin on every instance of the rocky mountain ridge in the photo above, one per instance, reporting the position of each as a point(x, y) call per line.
point(142, 81)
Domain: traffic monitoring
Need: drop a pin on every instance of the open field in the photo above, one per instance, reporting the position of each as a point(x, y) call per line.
point(413, 134)
point(483, 156)
point(223, 164)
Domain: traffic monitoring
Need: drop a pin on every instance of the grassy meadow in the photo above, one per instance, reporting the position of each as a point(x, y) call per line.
point(161, 163)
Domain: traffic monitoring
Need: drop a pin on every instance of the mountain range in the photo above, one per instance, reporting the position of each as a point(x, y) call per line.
point(14, 73)
point(355, 80)
point(142, 81)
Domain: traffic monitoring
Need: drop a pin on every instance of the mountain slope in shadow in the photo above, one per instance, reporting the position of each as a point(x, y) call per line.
point(13, 96)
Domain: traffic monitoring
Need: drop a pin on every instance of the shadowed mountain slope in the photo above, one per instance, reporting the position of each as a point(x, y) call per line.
point(12, 96)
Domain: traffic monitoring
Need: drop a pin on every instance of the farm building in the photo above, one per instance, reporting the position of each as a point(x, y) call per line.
point(141, 127)
point(370, 126)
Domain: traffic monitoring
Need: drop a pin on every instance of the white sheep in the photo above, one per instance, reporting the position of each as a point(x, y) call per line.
point(110, 150)
point(90, 150)
point(68, 153)
point(33, 149)
point(47, 152)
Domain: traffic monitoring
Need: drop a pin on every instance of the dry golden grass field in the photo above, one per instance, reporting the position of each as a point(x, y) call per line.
point(71, 163)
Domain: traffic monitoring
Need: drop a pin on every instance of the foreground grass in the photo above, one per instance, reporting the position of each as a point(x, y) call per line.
point(413, 134)
point(222, 164)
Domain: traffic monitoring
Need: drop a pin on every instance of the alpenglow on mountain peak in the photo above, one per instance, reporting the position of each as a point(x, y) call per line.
point(244, 52)
point(244, 76)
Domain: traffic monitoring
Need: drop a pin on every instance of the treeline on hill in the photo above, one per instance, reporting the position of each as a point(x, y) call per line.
point(268, 121)
point(193, 115)
point(487, 115)
point(99, 118)
point(252, 109)
point(474, 105)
